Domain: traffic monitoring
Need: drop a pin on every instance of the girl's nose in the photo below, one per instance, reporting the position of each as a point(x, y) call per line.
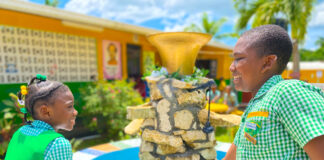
point(75, 112)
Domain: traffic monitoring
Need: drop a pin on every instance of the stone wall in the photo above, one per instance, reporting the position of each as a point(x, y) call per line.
point(171, 124)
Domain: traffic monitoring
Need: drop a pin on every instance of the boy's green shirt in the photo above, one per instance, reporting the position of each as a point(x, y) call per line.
point(278, 122)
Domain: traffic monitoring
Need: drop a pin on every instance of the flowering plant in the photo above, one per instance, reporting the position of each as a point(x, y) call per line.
point(105, 106)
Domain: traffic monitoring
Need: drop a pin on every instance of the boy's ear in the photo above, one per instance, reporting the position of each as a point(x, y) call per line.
point(269, 63)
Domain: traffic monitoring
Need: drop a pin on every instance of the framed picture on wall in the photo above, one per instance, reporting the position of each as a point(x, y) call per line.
point(112, 62)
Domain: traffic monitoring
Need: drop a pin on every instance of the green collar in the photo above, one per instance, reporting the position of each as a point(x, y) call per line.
point(267, 85)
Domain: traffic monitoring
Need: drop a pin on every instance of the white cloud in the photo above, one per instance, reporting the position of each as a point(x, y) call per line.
point(182, 23)
point(318, 14)
point(138, 11)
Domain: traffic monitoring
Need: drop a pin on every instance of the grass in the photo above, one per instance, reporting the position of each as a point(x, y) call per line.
point(225, 134)
point(91, 142)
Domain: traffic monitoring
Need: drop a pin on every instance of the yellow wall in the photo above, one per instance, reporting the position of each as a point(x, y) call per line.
point(306, 75)
point(18, 19)
point(223, 58)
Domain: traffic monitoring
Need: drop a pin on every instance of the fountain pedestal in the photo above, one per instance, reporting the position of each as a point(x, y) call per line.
point(171, 125)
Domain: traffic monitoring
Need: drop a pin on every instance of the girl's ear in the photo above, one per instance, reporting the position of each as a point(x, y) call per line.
point(44, 112)
point(269, 63)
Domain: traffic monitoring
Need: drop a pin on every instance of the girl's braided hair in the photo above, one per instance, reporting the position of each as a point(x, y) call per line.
point(41, 91)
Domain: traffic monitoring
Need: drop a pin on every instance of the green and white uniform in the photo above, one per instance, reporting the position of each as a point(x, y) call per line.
point(38, 141)
point(278, 122)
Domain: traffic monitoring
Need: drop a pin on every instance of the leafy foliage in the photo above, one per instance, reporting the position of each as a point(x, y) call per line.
point(194, 78)
point(10, 121)
point(105, 106)
point(296, 12)
point(316, 55)
point(211, 27)
point(53, 3)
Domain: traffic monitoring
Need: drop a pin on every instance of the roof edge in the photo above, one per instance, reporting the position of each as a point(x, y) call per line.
point(55, 13)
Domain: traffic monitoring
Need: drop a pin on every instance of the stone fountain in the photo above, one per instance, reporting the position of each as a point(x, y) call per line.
point(171, 124)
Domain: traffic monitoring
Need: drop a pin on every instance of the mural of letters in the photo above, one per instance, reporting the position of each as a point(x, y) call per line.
point(62, 57)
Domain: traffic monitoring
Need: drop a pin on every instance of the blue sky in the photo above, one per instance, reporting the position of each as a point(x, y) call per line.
point(174, 15)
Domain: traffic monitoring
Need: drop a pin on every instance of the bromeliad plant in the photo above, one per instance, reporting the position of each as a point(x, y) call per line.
point(155, 71)
point(105, 106)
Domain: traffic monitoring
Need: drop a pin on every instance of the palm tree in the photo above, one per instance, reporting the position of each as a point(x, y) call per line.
point(53, 3)
point(296, 13)
point(210, 27)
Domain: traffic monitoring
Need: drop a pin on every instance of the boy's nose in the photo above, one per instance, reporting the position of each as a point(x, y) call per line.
point(232, 67)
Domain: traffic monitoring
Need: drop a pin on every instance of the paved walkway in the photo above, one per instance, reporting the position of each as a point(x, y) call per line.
point(100, 150)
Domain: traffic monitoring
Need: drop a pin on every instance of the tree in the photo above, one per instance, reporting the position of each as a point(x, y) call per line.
point(316, 55)
point(296, 12)
point(53, 3)
point(210, 27)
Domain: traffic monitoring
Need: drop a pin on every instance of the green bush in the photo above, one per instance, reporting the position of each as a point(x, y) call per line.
point(105, 106)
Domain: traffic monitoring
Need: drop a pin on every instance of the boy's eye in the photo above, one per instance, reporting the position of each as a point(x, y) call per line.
point(237, 59)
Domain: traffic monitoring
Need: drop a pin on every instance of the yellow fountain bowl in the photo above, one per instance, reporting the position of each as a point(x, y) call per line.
point(178, 50)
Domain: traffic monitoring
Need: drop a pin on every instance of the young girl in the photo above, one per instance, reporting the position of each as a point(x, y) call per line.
point(50, 103)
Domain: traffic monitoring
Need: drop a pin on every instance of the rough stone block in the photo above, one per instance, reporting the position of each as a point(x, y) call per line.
point(181, 84)
point(160, 138)
point(190, 98)
point(166, 149)
point(147, 156)
point(191, 157)
point(208, 153)
point(146, 146)
point(140, 112)
point(190, 136)
point(211, 136)
point(219, 119)
point(180, 132)
point(134, 126)
point(167, 91)
point(163, 107)
point(154, 90)
point(198, 145)
point(183, 119)
point(150, 122)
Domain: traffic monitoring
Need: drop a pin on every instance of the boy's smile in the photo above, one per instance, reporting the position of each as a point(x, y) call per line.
point(246, 67)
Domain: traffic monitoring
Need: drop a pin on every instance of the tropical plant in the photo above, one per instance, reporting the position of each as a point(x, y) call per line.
point(296, 13)
point(211, 27)
point(105, 106)
point(53, 3)
point(10, 121)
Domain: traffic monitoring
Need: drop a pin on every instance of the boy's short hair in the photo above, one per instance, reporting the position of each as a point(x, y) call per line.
point(271, 39)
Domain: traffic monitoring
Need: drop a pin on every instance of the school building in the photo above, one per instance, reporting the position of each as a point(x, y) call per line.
point(77, 49)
